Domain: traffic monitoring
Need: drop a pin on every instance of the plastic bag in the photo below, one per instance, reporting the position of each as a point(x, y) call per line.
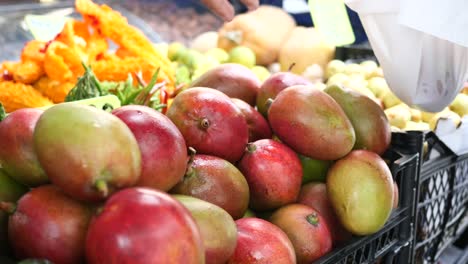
point(422, 46)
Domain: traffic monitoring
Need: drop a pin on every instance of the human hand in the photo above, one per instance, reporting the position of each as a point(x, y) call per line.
point(225, 10)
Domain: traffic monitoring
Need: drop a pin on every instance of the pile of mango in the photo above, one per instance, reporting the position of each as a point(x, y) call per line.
point(301, 51)
point(190, 63)
point(367, 78)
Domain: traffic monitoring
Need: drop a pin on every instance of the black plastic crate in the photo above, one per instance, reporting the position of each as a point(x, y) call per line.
point(355, 53)
point(393, 243)
point(442, 197)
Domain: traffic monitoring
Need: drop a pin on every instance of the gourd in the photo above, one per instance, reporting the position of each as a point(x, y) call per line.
point(205, 41)
point(263, 30)
point(304, 47)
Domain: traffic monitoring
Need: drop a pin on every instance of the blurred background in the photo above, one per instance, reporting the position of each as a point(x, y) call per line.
point(161, 20)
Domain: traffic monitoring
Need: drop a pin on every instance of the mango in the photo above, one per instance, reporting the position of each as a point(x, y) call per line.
point(175, 50)
point(10, 191)
point(334, 67)
point(249, 213)
point(307, 229)
point(314, 170)
point(460, 105)
point(416, 115)
point(219, 54)
point(360, 188)
point(398, 115)
point(217, 228)
point(259, 241)
point(261, 72)
point(312, 123)
point(465, 88)
point(390, 99)
point(17, 155)
point(359, 84)
point(370, 124)
point(87, 152)
point(396, 195)
point(369, 68)
point(242, 55)
point(234, 80)
point(353, 68)
point(378, 86)
point(338, 79)
point(272, 86)
point(427, 116)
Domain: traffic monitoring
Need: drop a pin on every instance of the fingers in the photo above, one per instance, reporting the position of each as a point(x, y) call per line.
point(222, 8)
point(251, 4)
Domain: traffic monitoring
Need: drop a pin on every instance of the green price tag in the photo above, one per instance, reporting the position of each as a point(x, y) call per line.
point(331, 19)
point(45, 27)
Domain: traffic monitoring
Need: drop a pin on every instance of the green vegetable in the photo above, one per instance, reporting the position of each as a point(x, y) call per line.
point(142, 94)
point(88, 86)
point(2, 112)
point(125, 91)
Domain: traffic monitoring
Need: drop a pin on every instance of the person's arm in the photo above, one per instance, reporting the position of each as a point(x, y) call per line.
point(224, 9)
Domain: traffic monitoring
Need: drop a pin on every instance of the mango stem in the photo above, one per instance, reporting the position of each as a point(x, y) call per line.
point(192, 152)
point(313, 219)
point(268, 103)
point(251, 147)
point(8, 207)
point(102, 188)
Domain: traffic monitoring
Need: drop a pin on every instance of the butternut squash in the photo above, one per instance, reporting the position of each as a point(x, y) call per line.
point(305, 47)
point(263, 30)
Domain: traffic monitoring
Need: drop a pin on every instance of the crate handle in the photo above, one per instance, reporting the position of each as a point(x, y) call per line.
point(413, 141)
point(434, 143)
point(402, 162)
point(405, 159)
point(389, 259)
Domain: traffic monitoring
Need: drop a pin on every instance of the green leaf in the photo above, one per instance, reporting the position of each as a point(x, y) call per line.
point(2, 112)
point(107, 86)
point(88, 86)
point(121, 96)
point(145, 95)
point(128, 85)
point(132, 95)
point(158, 107)
point(154, 79)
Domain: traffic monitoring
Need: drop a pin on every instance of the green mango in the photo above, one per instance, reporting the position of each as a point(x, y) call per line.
point(217, 227)
point(314, 170)
point(10, 191)
point(249, 213)
point(369, 121)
